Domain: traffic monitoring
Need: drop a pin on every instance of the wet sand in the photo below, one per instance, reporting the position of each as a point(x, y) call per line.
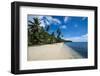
point(52, 52)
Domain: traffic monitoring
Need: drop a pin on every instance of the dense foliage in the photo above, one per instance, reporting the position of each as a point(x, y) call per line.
point(38, 35)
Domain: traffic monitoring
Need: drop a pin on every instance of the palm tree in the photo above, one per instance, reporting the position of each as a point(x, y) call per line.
point(47, 27)
point(53, 34)
point(37, 34)
point(58, 33)
point(33, 30)
point(35, 25)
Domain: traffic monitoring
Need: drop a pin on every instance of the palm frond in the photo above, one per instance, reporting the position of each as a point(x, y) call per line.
point(31, 22)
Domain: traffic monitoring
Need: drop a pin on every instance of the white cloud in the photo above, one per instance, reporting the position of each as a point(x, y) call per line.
point(40, 17)
point(66, 19)
point(63, 27)
point(82, 38)
point(52, 20)
point(56, 20)
point(42, 24)
point(46, 20)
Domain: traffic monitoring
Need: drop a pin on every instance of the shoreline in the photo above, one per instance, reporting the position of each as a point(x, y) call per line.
point(45, 44)
point(51, 52)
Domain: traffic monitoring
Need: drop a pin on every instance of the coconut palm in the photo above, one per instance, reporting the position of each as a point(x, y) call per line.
point(37, 35)
point(58, 33)
point(33, 30)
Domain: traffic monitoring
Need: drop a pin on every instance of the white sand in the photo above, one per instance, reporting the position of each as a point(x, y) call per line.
point(52, 51)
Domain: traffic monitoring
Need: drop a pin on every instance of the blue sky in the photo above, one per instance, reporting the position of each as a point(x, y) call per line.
point(72, 27)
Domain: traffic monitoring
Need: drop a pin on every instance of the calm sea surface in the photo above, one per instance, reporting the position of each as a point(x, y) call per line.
point(80, 47)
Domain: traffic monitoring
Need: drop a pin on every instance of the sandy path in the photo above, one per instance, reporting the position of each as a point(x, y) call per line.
point(52, 51)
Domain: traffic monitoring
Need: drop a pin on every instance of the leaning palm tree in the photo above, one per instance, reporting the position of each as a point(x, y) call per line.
point(58, 33)
point(34, 25)
point(33, 30)
point(47, 27)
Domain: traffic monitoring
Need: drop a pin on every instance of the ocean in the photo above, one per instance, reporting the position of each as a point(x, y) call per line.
point(80, 47)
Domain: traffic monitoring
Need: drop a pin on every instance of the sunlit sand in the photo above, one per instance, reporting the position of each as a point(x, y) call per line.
point(52, 52)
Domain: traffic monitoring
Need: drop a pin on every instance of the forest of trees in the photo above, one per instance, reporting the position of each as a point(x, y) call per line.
point(38, 35)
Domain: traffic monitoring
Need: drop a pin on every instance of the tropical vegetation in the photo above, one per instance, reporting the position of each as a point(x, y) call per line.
point(38, 35)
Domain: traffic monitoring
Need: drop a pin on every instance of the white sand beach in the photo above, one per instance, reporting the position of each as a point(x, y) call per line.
point(52, 52)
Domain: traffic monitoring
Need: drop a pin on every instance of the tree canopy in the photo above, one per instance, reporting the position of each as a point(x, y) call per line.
point(38, 35)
